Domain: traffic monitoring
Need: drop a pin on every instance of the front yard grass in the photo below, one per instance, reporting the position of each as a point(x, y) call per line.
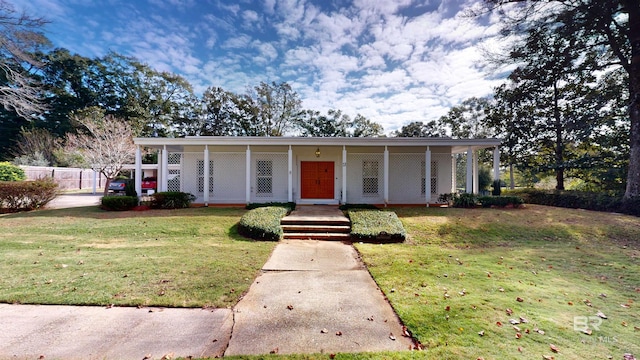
point(86, 256)
point(462, 271)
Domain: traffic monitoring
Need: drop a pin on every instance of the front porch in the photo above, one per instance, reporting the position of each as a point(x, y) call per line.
point(330, 171)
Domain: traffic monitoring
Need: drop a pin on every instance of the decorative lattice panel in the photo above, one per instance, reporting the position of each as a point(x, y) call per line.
point(406, 178)
point(365, 178)
point(269, 177)
point(229, 177)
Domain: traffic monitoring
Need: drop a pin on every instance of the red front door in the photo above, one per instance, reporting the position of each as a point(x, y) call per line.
point(317, 179)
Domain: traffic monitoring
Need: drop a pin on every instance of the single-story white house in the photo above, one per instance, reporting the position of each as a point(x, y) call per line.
point(312, 170)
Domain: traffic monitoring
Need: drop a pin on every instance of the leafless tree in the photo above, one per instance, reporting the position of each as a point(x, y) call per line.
point(106, 145)
point(19, 35)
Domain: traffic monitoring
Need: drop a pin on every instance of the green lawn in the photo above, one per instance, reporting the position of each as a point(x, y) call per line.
point(186, 258)
point(460, 270)
point(457, 274)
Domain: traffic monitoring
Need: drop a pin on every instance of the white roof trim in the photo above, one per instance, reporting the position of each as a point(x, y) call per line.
point(458, 144)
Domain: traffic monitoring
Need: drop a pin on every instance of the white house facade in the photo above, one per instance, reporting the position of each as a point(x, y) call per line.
point(307, 170)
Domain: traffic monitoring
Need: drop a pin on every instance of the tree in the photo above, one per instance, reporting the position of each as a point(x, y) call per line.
point(363, 127)
point(467, 120)
point(609, 29)
point(19, 36)
point(279, 107)
point(105, 145)
point(421, 129)
point(215, 116)
point(36, 147)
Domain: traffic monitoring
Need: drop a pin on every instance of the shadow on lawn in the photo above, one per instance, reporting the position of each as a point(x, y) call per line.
point(95, 212)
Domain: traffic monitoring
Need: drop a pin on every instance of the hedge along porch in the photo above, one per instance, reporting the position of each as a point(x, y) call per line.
point(239, 170)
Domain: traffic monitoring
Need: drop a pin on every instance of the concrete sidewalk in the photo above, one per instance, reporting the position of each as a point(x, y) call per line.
point(312, 297)
point(315, 297)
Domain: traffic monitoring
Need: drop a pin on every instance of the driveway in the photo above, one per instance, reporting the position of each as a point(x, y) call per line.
point(74, 200)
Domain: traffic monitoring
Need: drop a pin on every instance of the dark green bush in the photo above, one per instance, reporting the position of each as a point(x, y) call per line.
point(171, 200)
point(130, 188)
point(579, 200)
point(465, 200)
point(500, 201)
point(289, 205)
point(10, 172)
point(263, 223)
point(497, 188)
point(119, 203)
point(376, 225)
point(27, 195)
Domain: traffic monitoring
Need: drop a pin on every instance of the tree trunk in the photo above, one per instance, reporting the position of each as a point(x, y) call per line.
point(512, 182)
point(633, 176)
point(106, 186)
point(559, 165)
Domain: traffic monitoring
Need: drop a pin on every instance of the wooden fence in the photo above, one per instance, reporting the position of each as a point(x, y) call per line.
point(67, 178)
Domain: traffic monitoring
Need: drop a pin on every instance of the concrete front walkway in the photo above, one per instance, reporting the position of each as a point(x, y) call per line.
point(314, 297)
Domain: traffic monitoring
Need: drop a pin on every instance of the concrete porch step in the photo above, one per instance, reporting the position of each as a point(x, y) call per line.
point(317, 236)
point(289, 220)
point(315, 228)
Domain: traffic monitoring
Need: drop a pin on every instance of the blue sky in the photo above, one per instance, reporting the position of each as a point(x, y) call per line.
point(393, 61)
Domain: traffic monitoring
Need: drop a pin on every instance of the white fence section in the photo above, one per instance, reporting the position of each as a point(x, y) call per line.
point(67, 178)
point(365, 180)
point(269, 177)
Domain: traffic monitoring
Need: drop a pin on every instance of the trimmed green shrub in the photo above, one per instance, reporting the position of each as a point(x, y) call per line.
point(579, 200)
point(171, 200)
point(376, 225)
point(10, 172)
point(263, 223)
point(289, 205)
point(119, 203)
point(130, 188)
point(27, 195)
point(500, 201)
point(465, 200)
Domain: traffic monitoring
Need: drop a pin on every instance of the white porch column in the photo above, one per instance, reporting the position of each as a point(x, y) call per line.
point(454, 173)
point(290, 174)
point(476, 187)
point(138, 171)
point(206, 175)
point(344, 174)
point(496, 163)
point(469, 185)
point(165, 169)
point(248, 176)
point(385, 175)
point(427, 176)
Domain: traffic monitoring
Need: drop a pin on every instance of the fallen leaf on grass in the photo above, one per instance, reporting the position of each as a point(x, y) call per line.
point(601, 314)
point(392, 337)
point(518, 335)
point(628, 357)
point(481, 333)
point(168, 356)
point(523, 320)
point(554, 348)
point(547, 357)
point(519, 299)
point(514, 321)
point(626, 306)
point(587, 331)
point(509, 311)
point(274, 351)
point(498, 323)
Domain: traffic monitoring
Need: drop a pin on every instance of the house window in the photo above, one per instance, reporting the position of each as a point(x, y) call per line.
point(434, 177)
point(370, 177)
point(201, 176)
point(264, 177)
